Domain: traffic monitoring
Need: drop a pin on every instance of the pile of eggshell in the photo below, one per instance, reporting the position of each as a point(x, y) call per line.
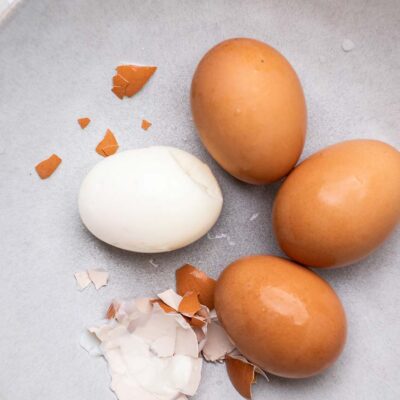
point(332, 210)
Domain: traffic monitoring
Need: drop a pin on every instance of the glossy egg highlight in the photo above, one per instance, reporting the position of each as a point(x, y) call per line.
point(281, 316)
point(340, 204)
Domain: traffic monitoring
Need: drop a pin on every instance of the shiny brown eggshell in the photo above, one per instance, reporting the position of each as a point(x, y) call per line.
point(190, 278)
point(249, 109)
point(340, 204)
point(281, 316)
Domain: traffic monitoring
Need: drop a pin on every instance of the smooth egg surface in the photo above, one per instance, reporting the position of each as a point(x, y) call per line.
point(150, 200)
point(249, 109)
point(340, 204)
point(281, 316)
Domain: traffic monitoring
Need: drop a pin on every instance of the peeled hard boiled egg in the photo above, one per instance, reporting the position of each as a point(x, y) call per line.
point(340, 204)
point(281, 316)
point(249, 108)
point(150, 200)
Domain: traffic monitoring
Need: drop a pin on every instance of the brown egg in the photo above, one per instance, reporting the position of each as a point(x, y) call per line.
point(249, 108)
point(340, 204)
point(281, 316)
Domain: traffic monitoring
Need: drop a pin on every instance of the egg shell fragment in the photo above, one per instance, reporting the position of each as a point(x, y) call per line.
point(171, 298)
point(83, 122)
point(189, 304)
point(82, 279)
point(190, 278)
point(99, 277)
point(150, 200)
point(340, 204)
point(47, 167)
point(151, 355)
point(280, 316)
point(218, 344)
point(108, 145)
point(241, 374)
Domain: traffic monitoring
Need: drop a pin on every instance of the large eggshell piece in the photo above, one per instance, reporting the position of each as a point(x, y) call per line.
point(340, 204)
point(150, 200)
point(249, 108)
point(189, 278)
point(281, 316)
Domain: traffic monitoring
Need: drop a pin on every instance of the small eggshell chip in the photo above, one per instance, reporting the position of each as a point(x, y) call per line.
point(130, 79)
point(241, 374)
point(146, 124)
point(108, 146)
point(136, 75)
point(189, 278)
point(190, 304)
point(99, 277)
point(84, 122)
point(82, 279)
point(150, 200)
point(46, 167)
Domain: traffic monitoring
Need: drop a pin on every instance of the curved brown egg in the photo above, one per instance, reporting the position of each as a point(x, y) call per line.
point(281, 316)
point(340, 204)
point(249, 108)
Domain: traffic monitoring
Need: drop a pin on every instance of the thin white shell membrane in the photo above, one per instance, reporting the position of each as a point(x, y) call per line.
point(150, 200)
point(218, 344)
point(156, 355)
point(82, 279)
point(151, 355)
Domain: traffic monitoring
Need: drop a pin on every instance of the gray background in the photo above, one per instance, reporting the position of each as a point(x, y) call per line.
point(56, 63)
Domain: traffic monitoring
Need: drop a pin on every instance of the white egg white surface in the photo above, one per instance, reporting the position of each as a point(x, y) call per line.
point(150, 200)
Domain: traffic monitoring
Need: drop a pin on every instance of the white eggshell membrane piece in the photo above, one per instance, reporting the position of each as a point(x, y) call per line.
point(217, 344)
point(156, 355)
point(82, 279)
point(152, 355)
point(99, 278)
point(150, 200)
